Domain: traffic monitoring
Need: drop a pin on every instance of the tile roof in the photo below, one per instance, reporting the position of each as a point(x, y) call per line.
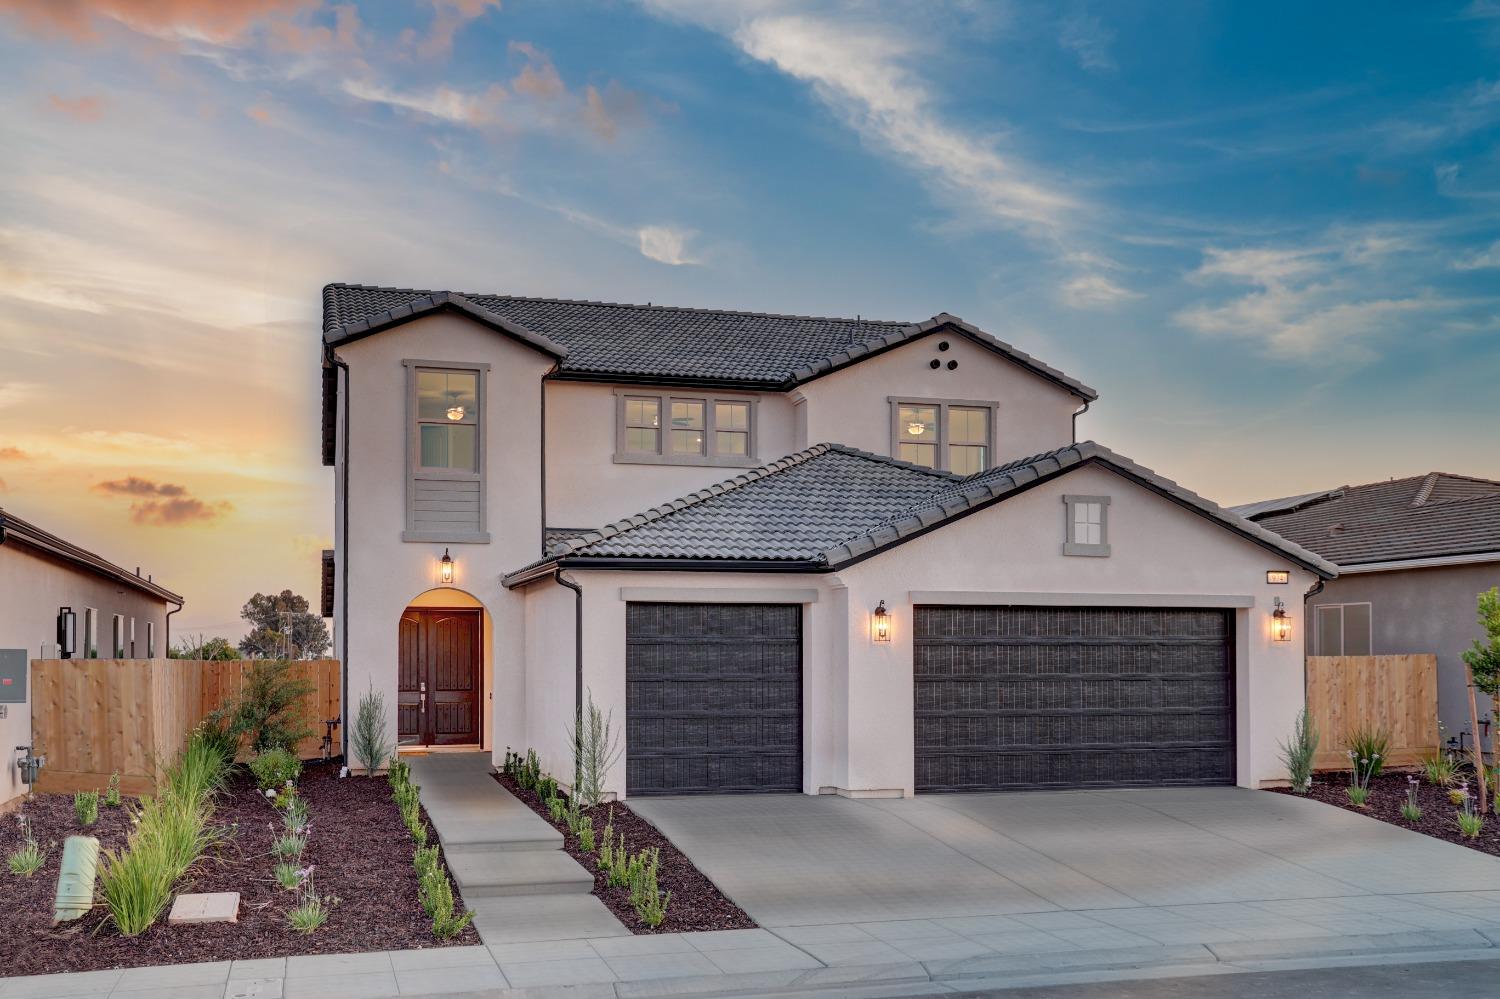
point(1425, 516)
point(610, 340)
point(832, 504)
point(14, 529)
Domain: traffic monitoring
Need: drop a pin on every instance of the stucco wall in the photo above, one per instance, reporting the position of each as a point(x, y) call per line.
point(850, 406)
point(1424, 610)
point(385, 573)
point(858, 697)
point(33, 586)
point(587, 488)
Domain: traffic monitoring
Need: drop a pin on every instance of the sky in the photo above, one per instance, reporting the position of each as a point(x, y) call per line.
point(1268, 234)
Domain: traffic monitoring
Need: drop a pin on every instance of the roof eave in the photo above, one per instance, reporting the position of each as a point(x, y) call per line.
point(33, 536)
point(433, 304)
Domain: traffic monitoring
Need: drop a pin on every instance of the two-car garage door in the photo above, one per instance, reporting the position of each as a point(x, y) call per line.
point(1056, 697)
point(1007, 698)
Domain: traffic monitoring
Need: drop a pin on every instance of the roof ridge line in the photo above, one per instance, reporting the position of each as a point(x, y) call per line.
point(1424, 492)
point(600, 303)
point(656, 513)
point(885, 459)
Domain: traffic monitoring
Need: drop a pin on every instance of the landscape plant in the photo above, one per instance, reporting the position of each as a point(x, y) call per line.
point(1411, 811)
point(270, 711)
point(1298, 752)
point(596, 748)
point(28, 858)
point(275, 767)
point(1359, 779)
point(289, 875)
point(369, 738)
point(112, 797)
point(585, 833)
point(1482, 660)
point(86, 807)
point(1470, 819)
point(607, 842)
point(312, 910)
point(1368, 747)
point(1439, 769)
point(646, 897)
point(434, 890)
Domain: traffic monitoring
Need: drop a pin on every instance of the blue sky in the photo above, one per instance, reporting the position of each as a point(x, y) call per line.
point(1269, 234)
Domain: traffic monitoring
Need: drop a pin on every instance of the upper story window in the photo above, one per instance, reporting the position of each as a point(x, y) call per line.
point(952, 436)
point(680, 429)
point(445, 498)
point(117, 637)
point(1087, 525)
point(1343, 630)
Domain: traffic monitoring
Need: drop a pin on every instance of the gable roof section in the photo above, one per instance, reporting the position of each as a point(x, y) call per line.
point(1423, 517)
point(832, 505)
point(13, 529)
point(665, 344)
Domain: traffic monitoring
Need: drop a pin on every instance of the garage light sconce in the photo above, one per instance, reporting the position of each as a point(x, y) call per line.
point(1281, 623)
point(67, 632)
point(446, 566)
point(880, 624)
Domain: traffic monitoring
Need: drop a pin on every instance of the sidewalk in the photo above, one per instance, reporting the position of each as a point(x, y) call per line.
point(855, 963)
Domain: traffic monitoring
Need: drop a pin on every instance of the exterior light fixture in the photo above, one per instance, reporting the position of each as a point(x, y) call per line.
point(880, 624)
point(455, 413)
point(1281, 623)
point(67, 632)
point(447, 568)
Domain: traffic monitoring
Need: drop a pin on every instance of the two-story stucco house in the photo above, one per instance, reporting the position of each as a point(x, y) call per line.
point(788, 553)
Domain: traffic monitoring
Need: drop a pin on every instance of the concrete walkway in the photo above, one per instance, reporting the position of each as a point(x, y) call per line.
point(508, 863)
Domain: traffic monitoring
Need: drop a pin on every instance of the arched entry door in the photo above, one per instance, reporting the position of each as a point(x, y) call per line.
point(440, 677)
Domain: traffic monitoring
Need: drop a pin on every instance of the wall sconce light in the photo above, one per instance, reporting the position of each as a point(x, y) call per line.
point(447, 568)
point(1281, 623)
point(880, 624)
point(67, 632)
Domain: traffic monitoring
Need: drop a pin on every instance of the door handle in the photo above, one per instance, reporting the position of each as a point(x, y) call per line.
point(424, 702)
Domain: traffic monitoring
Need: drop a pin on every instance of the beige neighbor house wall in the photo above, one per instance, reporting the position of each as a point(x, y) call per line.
point(851, 406)
point(587, 487)
point(33, 585)
point(386, 574)
point(858, 724)
point(1424, 610)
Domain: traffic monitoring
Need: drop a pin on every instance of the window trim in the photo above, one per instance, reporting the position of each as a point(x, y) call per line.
point(413, 445)
point(1318, 626)
point(663, 454)
point(943, 405)
point(1072, 547)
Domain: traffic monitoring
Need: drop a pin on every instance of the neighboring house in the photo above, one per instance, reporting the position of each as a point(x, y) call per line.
point(119, 614)
point(1413, 554)
point(787, 553)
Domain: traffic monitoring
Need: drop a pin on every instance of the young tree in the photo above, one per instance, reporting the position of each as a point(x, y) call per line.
point(203, 647)
point(1483, 661)
point(283, 627)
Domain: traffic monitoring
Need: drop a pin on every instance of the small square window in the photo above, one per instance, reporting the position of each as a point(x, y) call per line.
point(1087, 525)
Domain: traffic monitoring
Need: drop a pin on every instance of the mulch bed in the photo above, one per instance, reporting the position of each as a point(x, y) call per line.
point(696, 903)
point(359, 848)
point(1388, 791)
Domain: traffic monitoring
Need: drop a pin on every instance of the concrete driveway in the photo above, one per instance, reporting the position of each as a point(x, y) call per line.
point(1192, 856)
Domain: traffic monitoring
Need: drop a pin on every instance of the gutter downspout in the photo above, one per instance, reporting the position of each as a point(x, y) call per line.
point(343, 622)
point(1076, 414)
point(168, 623)
point(577, 672)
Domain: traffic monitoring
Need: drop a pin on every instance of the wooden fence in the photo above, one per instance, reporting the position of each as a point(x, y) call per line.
point(93, 717)
point(1395, 693)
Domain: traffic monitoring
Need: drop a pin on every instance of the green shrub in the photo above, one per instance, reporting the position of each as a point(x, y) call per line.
point(289, 846)
point(1470, 824)
point(270, 713)
point(1439, 769)
point(425, 860)
point(137, 884)
point(620, 867)
point(646, 897)
point(399, 773)
point(27, 859)
point(198, 772)
point(86, 807)
point(436, 896)
point(312, 911)
point(112, 797)
point(178, 828)
point(607, 843)
point(546, 787)
point(585, 833)
point(1368, 747)
point(596, 748)
point(289, 875)
point(214, 734)
point(1358, 795)
point(369, 739)
point(1297, 753)
point(573, 816)
point(555, 808)
point(274, 767)
point(406, 794)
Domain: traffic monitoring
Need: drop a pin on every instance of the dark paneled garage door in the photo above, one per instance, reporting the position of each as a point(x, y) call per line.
point(713, 698)
point(1053, 697)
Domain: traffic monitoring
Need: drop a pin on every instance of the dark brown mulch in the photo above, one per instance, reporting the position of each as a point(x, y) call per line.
point(696, 903)
point(1388, 791)
point(359, 849)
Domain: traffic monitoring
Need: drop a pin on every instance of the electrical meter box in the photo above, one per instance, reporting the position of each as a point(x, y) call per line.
point(13, 664)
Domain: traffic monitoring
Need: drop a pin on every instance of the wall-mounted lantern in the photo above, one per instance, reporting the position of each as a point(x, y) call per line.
point(1281, 623)
point(447, 568)
point(880, 624)
point(67, 632)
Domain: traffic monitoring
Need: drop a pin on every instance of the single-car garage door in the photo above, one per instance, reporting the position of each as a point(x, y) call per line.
point(1011, 698)
point(713, 698)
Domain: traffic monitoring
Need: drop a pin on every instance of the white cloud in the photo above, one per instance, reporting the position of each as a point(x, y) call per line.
point(1088, 39)
point(1479, 259)
point(442, 103)
point(665, 244)
point(1094, 291)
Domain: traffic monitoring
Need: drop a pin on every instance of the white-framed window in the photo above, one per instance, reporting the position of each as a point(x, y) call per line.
point(683, 428)
point(150, 639)
point(117, 637)
point(1343, 630)
point(948, 434)
point(90, 633)
point(445, 495)
point(1086, 525)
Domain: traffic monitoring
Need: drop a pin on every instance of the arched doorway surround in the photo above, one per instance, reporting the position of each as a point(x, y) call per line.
point(442, 679)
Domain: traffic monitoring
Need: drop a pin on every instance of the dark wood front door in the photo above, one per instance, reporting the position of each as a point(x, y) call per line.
point(440, 678)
